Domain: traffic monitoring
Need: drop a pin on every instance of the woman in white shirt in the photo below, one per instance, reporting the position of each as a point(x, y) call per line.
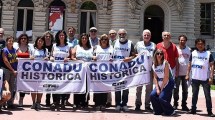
point(38, 53)
point(84, 52)
point(161, 96)
point(103, 52)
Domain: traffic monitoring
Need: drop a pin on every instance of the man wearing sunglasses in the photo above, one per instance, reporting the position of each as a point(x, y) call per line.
point(94, 40)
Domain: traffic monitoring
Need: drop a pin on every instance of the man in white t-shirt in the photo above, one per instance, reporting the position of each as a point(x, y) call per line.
point(184, 54)
point(145, 47)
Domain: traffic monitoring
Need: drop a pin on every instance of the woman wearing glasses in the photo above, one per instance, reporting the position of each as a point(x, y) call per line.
point(164, 84)
point(23, 51)
point(103, 52)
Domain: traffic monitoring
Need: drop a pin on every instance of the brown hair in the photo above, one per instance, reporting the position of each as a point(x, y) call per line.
point(155, 57)
point(104, 36)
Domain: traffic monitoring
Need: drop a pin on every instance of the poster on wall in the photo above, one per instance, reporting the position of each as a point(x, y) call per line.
point(56, 19)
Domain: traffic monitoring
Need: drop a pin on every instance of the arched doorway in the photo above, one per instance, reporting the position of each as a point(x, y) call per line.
point(154, 21)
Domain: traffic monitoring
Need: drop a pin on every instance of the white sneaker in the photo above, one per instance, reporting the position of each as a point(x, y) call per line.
point(33, 106)
point(118, 108)
point(125, 108)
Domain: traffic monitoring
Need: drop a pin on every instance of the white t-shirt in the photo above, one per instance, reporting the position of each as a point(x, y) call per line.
point(60, 53)
point(103, 54)
point(200, 65)
point(39, 54)
point(82, 54)
point(146, 50)
point(121, 50)
point(159, 71)
point(183, 59)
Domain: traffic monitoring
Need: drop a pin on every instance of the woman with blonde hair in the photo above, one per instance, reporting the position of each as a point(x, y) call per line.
point(161, 96)
point(103, 52)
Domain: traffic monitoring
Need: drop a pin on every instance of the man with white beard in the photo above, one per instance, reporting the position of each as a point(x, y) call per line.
point(123, 50)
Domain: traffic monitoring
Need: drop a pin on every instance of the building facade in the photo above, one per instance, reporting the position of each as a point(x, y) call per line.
point(194, 18)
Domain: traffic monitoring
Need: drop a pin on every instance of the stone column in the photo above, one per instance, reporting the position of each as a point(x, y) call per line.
point(119, 14)
point(190, 18)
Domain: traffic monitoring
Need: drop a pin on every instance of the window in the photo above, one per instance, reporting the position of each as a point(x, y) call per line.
point(56, 15)
point(206, 19)
point(24, 18)
point(88, 16)
point(0, 11)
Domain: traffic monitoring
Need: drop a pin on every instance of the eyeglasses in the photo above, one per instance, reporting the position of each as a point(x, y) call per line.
point(62, 35)
point(112, 33)
point(166, 35)
point(122, 33)
point(146, 35)
point(93, 31)
point(159, 54)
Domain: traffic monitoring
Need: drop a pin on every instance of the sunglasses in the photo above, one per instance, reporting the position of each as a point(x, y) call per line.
point(93, 31)
point(159, 54)
point(112, 33)
point(122, 34)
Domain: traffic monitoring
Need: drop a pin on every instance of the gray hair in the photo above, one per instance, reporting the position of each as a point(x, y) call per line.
point(147, 31)
point(122, 30)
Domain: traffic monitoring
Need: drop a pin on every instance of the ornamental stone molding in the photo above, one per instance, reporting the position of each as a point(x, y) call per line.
point(180, 6)
point(39, 5)
point(8, 4)
point(73, 5)
point(132, 5)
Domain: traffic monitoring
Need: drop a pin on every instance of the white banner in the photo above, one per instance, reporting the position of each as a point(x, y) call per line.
point(118, 75)
point(1, 82)
point(51, 77)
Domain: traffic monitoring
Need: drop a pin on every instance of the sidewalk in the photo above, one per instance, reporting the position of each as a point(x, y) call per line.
point(26, 113)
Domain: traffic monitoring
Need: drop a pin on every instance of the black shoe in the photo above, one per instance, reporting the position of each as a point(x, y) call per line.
point(210, 114)
point(108, 104)
point(11, 107)
point(185, 108)
point(175, 107)
point(137, 108)
point(148, 108)
point(192, 112)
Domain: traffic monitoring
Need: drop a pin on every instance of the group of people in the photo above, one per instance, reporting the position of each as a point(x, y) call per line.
point(169, 66)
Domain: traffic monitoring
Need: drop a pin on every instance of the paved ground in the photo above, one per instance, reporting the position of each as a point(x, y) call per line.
point(26, 113)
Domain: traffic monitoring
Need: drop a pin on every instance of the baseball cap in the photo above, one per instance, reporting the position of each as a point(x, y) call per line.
point(93, 28)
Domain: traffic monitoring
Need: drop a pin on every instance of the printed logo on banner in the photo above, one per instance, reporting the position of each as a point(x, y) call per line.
point(51, 77)
point(118, 75)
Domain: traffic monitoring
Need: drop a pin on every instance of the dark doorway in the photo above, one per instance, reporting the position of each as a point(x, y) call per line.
point(154, 21)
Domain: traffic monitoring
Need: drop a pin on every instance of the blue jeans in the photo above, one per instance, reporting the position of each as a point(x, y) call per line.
point(121, 100)
point(161, 103)
point(207, 92)
point(178, 80)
